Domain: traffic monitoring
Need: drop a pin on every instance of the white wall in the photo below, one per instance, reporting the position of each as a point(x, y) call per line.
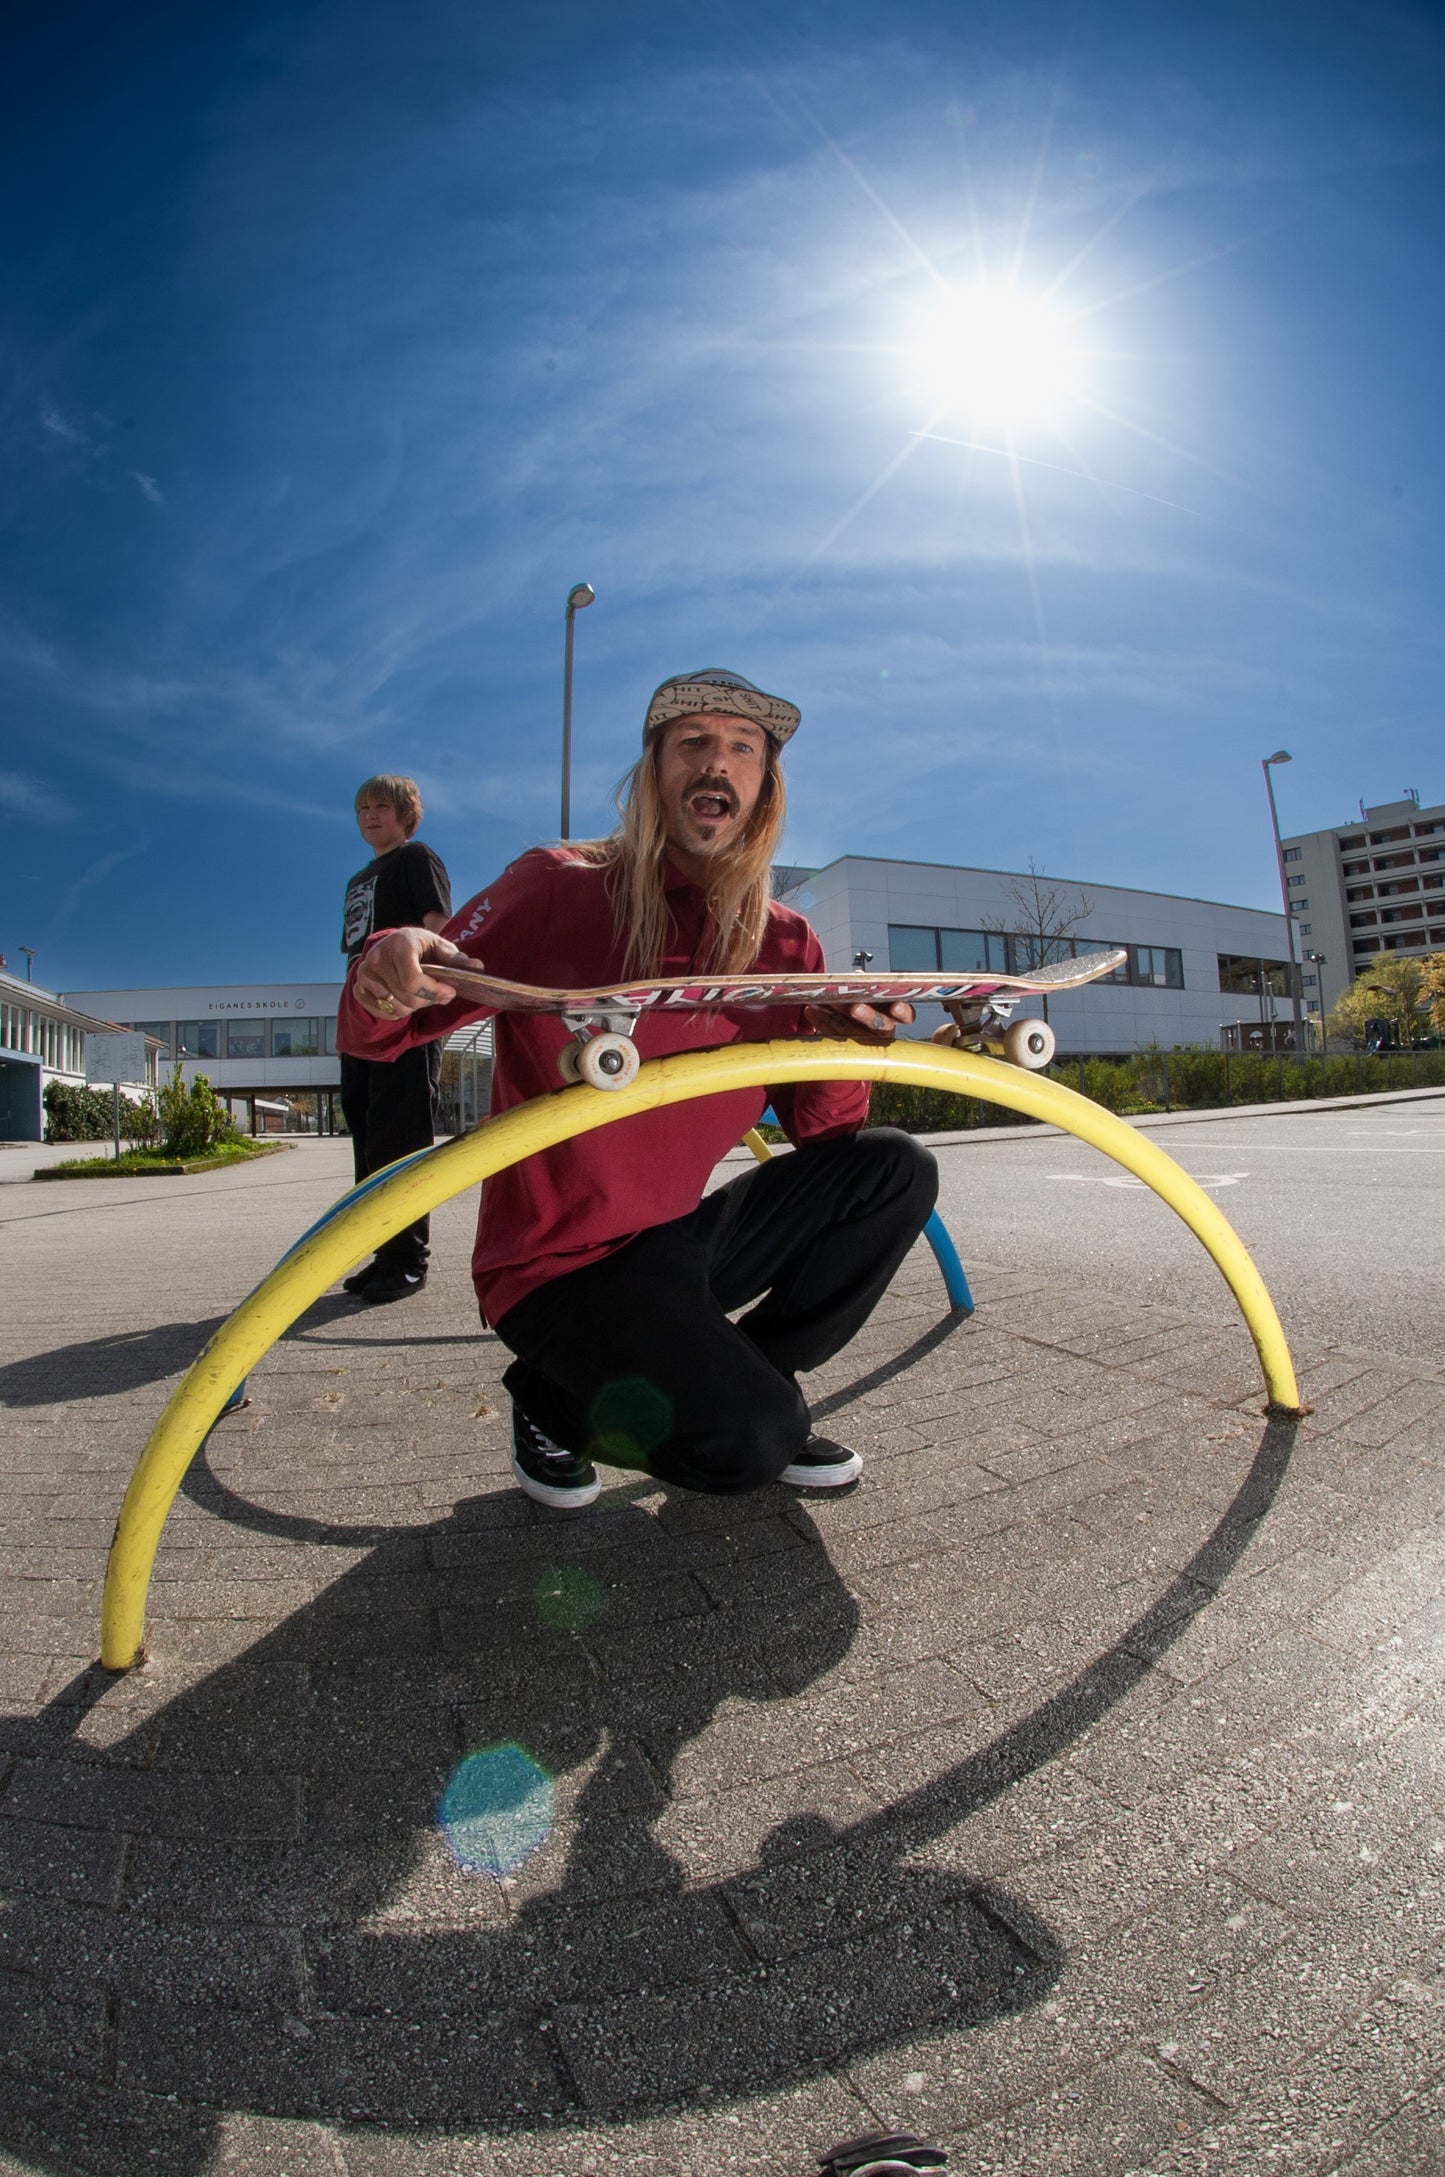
point(852, 902)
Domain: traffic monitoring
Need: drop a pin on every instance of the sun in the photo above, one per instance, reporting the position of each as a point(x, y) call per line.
point(999, 358)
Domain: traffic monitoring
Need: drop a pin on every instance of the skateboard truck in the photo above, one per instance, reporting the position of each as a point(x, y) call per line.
point(882, 2154)
point(602, 1052)
point(987, 1025)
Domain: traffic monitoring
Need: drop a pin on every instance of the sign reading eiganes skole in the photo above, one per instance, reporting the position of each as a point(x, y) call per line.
point(209, 1007)
point(115, 1058)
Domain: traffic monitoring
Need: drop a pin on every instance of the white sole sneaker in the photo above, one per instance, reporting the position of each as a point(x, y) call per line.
point(822, 1464)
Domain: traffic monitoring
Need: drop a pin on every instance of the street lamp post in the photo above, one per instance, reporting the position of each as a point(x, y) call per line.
point(579, 596)
point(1282, 755)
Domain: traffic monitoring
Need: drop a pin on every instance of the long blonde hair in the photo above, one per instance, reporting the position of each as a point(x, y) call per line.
point(738, 886)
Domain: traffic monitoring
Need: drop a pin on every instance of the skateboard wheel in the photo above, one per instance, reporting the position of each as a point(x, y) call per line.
point(608, 1062)
point(1030, 1044)
point(567, 1065)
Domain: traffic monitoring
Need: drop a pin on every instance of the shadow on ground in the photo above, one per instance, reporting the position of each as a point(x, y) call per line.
point(286, 1932)
point(124, 1361)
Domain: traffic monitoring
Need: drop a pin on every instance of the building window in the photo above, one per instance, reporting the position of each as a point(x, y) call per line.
point(1402, 914)
point(1240, 973)
point(1299, 907)
point(1428, 831)
point(1158, 966)
point(198, 1039)
point(328, 1035)
point(1305, 930)
point(912, 948)
point(245, 1039)
point(1291, 854)
point(1383, 838)
point(1309, 981)
point(1346, 845)
point(1394, 861)
point(158, 1028)
point(293, 1038)
point(1364, 920)
point(1295, 880)
point(918, 950)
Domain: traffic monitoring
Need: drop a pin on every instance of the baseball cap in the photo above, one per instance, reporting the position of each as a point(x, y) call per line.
point(714, 689)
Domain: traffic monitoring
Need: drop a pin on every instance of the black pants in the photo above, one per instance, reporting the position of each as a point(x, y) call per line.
point(633, 1360)
point(390, 1108)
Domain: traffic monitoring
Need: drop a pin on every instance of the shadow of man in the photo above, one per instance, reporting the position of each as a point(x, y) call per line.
point(291, 1897)
point(296, 1888)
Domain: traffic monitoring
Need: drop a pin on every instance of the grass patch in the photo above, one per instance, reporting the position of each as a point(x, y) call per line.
point(155, 1164)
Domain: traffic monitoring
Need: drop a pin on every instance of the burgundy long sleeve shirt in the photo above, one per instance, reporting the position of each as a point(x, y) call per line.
point(548, 919)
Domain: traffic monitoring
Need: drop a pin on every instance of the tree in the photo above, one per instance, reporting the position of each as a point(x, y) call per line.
point(1044, 920)
point(1432, 988)
point(1390, 989)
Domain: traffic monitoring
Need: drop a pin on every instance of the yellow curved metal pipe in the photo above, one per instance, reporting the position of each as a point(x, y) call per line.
point(450, 1169)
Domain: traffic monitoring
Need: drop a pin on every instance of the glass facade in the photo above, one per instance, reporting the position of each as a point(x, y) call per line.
point(291, 1038)
point(245, 1039)
point(920, 949)
point(161, 1029)
point(198, 1039)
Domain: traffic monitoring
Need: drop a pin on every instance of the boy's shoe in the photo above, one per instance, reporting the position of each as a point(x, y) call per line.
point(549, 1474)
point(822, 1464)
point(360, 1279)
point(384, 1285)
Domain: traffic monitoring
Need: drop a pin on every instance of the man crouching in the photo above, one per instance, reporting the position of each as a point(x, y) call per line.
point(600, 1262)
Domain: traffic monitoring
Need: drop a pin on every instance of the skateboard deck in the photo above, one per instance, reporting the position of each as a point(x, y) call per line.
point(722, 993)
point(603, 1054)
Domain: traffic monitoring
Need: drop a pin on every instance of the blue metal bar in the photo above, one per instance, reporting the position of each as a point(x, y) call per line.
point(945, 1254)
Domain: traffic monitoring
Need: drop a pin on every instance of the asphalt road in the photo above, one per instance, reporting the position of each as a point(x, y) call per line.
point(1340, 1209)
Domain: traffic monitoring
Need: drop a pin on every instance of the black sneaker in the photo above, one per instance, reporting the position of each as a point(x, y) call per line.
point(822, 1464)
point(360, 1279)
point(549, 1474)
point(384, 1285)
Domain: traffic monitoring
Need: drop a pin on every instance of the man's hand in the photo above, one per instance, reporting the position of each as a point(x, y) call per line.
point(861, 1023)
point(396, 976)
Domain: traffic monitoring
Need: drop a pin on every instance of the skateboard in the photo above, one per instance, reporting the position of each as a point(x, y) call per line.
point(603, 1054)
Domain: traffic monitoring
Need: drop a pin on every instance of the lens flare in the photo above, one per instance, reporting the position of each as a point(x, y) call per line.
point(568, 1599)
point(496, 1809)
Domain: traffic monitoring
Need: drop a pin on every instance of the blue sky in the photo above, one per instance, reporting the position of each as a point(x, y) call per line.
point(339, 341)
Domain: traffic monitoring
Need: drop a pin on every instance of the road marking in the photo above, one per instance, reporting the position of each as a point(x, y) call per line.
point(1101, 1179)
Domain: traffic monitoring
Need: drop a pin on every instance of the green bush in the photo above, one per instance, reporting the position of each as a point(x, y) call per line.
point(1192, 1079)
point(88, 1114)
point(193, 1120)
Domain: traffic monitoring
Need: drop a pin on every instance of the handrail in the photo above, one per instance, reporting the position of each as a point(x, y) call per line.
point(420, 1184)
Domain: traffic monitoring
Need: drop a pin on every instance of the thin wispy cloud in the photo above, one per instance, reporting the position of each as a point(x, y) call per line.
point(33, 800)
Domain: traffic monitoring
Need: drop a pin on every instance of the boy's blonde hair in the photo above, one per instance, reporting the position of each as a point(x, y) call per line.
point(396, 793)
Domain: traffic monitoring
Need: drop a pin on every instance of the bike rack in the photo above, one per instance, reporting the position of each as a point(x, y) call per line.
point(386, 1204)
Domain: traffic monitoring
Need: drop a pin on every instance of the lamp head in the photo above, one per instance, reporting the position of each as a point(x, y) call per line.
point(581, 594)
point(1281, 755)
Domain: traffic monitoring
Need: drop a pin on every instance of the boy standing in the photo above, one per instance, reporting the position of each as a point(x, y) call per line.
point(390, 1105)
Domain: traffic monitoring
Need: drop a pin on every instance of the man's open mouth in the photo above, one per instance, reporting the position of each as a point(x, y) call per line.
point(711, 805)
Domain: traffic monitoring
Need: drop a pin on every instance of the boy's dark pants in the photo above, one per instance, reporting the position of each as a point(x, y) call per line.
point(390, 1108)
point(633, 1360)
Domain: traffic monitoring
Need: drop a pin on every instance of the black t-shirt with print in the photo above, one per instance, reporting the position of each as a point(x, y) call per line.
point(394, 892)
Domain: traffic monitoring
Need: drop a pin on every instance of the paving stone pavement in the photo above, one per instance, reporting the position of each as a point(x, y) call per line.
point(1071, 1792)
